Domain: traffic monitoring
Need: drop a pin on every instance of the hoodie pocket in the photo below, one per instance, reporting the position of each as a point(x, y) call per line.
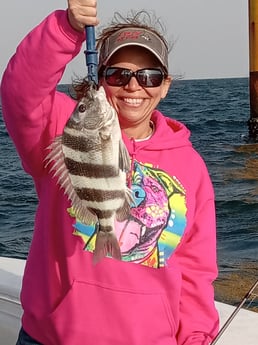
point(94, 314)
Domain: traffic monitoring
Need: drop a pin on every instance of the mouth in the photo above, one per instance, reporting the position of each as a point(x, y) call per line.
point(135, 102)
point(135, 237)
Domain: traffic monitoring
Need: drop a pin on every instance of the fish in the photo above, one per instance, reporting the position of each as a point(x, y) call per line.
point(91, 161)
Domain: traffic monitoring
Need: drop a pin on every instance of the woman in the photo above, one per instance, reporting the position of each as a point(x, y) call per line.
point(161, 291)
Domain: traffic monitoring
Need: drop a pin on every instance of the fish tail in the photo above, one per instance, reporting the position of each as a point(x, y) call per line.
point(106, 244)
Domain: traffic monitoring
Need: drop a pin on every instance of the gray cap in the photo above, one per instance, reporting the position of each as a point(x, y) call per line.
point(134, 36)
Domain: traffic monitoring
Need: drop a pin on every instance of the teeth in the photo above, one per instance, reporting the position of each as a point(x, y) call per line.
point(133, 100)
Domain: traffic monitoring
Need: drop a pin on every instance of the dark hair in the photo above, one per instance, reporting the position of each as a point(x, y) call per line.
point(137, 19)
point(141, 19)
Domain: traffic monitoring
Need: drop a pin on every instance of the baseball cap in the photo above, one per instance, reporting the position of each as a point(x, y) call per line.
point(134, 36)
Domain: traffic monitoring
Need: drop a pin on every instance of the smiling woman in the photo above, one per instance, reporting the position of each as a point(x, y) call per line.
point(166, 241)
point(133, 68)
point(133, 101)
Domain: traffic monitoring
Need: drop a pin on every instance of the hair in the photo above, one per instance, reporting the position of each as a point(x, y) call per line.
point(136, 19)
point(141, 19)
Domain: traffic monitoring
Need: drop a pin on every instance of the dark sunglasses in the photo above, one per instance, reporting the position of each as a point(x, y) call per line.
point(146, 77)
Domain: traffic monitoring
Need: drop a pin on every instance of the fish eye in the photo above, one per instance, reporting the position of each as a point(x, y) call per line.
point(82, 108)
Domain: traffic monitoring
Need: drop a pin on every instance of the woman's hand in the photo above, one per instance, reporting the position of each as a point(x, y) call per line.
point(82, 13)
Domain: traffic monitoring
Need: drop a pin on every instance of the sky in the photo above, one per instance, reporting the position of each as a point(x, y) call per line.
point(211, 36)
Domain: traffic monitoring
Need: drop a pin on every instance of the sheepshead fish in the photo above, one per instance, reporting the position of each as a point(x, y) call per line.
point(91, 161)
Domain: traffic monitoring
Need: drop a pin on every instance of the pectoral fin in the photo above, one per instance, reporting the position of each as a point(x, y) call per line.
point(124, 158)
point(84, 214)
point(123, 213)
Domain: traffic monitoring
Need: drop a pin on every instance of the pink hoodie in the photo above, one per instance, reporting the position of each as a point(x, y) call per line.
point(161, 292)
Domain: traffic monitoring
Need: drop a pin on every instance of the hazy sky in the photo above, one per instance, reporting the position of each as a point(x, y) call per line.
point(211, 35)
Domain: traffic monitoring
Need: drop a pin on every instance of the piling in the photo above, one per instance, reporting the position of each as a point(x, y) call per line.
point(253, 69)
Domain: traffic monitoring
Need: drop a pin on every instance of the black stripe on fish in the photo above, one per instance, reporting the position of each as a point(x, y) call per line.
point(90, 169)
point(106, 228)
point(82, 143)
point(98, 195)
point(102, 214)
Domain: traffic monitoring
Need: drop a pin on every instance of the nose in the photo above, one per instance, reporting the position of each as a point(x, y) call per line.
point(133, 84)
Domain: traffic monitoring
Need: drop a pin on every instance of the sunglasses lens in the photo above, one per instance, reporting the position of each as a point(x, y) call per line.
point(150, 77)
point(117, 76)
point(147, 77)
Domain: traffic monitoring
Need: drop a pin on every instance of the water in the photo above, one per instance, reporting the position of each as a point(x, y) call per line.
point(216, 111)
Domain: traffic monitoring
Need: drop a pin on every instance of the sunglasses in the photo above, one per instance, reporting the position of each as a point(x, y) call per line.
point(146, 77)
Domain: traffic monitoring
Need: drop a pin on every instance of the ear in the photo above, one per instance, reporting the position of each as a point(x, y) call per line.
point(165, 86)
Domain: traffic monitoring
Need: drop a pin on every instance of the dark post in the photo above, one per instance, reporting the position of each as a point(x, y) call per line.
point(253, 68)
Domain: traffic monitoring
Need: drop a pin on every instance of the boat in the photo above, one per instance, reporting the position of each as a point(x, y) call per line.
point(242, 330)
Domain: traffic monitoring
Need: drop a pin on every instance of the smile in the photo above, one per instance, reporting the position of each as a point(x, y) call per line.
point(133, 101)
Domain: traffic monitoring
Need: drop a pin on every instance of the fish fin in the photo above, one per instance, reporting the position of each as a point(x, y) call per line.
point(124, 158)
point(106, 244)
point(58, 167)
point(105, 132)
point(55, 151)
point(60, 171)
point(85, 215)
point(129, 197)
point(123, 212)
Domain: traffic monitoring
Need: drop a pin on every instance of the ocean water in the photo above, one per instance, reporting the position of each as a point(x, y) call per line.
point(216, 111)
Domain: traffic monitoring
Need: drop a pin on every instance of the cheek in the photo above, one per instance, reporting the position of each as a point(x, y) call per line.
point(110, 91)
point(111, 94)
point(156, 94)
point(165, 87)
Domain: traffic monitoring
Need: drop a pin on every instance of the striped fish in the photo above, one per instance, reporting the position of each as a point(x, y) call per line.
point(91, 161)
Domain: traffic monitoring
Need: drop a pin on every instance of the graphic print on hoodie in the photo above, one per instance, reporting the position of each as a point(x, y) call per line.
point(157, 221)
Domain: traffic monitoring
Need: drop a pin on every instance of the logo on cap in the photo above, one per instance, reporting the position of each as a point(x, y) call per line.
point(128, 35)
